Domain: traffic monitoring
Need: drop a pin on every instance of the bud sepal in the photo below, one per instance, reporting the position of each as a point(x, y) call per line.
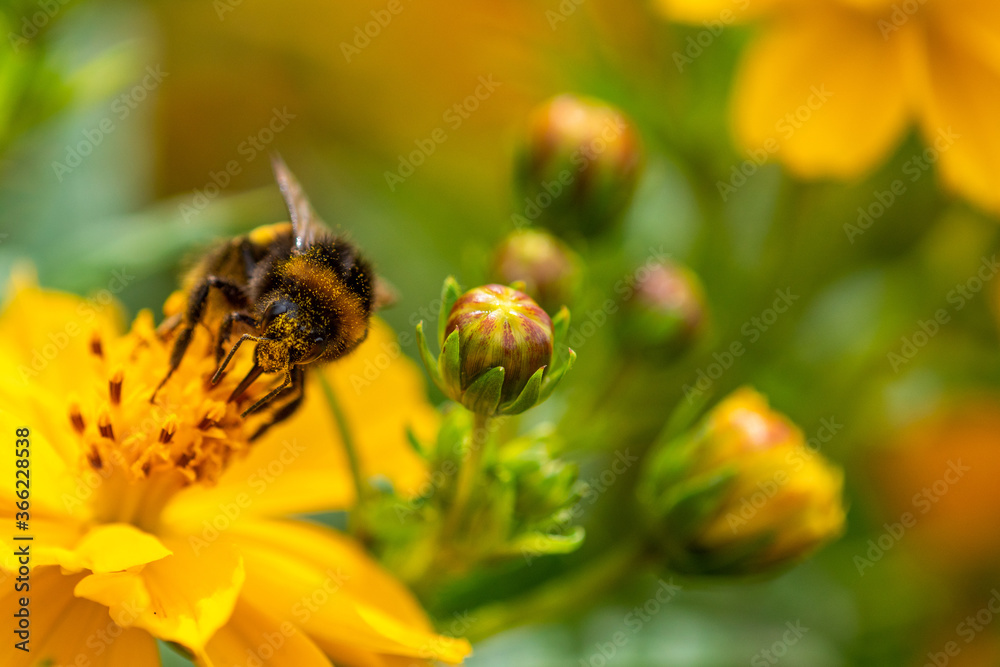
point(493, 373)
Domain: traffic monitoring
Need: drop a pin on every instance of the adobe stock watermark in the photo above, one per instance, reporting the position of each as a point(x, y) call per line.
point(580, 159)
point(459, 625)
point(752, 330)
point(364, 34)
point(223, 7)
point(696, 45)
point(86, 312)
point(624, 288)
point(967, 630)
point(272, 639)
point(914, 168)
point(562, 12)
point(769, 488)
point(957, 298)
point(257, 482)
point(122, 107)
point(785, 128)
point(901, 14)
point(772, 654)
point(595, 487)
point(100, 640)
point(248, 149)
point(923, 502)
point(439, 477)
point(632, 624)
point(32, 24)
point(454, 117)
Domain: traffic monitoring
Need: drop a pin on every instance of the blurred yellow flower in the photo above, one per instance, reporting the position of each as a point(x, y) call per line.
point(742, 492)
point(163, 522)
point(881, 65)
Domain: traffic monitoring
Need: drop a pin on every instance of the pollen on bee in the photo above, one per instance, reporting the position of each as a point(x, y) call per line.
point(76, 418)
point(115, 387)
point(105, 427)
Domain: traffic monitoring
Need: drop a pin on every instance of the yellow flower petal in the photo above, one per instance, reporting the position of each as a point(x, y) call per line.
point(383, 392)
point(334, 592)
point(876, 7)
point(67, 630)
point(48, 534)
point(973, 25)
point(182, 598)
point(300, 466)
point(251, 632)
point(723, 11)
point(961, 106)
point(47, 334)
point(107, 548)
point(824, 91)
point(59, 491)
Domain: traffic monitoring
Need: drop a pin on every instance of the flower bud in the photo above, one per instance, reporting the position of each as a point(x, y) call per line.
point(667, 310)
point(496, 349)
point(741, 493)
point(578, 169)
point(500, 327)
point(548, 269)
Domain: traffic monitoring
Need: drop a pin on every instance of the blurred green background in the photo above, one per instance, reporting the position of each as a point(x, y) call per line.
point(119, 120)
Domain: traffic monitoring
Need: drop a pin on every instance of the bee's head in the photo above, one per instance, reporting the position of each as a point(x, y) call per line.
point(288, 336)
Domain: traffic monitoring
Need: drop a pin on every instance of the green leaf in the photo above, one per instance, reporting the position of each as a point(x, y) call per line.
point(560, 328)
point(483, 395)
point(429, 362)
point(528, 397)
point(539, 544)
point(449, 365)
point(556, 376)
point(450, 292)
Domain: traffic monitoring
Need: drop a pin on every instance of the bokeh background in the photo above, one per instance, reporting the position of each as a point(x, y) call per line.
point(119, 120)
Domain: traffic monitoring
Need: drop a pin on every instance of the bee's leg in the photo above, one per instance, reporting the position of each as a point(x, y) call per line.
point(249, 263)
point(226, 329)
point(298, 387)
point(255, 371)
point(271, 395)
point(168, 325)
point(196, 307)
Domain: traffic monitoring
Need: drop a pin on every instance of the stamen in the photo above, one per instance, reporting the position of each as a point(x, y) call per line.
point(115, 387)
point(212, 417)
point(76, 418)
point(94, 458)
point(96, 348)
point(168, 430)
point(104, 426)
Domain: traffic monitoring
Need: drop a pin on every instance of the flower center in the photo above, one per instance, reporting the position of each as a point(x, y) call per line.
point(137, 454)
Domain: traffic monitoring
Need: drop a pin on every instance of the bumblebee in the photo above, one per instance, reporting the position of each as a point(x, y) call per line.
point(304, 295)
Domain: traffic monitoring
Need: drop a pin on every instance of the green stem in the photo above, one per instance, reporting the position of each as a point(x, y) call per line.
point(567, 595)
point(469, 473)
point(348, 440)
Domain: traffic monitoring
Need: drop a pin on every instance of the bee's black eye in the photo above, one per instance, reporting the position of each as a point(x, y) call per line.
point(277, 308)
point(316, 348)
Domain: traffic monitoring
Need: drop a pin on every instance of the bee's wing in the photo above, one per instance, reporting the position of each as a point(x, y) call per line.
point(306, 224)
